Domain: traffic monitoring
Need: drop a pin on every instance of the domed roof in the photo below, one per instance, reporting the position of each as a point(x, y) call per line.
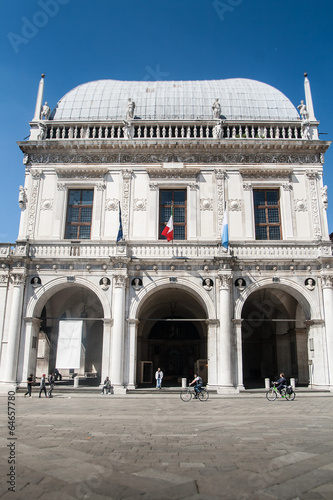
point(240, 99)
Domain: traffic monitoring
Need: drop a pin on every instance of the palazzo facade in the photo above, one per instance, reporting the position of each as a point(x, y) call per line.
point(236, 314)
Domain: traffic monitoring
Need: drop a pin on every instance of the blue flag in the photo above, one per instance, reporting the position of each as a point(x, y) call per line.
point(225, 232)
point(120, 230)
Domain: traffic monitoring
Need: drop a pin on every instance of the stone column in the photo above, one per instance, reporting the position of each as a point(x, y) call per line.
point(106, 350)
point(117, 352)
point(239, 352)
point(32, 326)
point(318, 359)
point(212, 353)
point(327, 284)
point(132, 352)
point(14, 326)
point(225, 369)
point(302, 355)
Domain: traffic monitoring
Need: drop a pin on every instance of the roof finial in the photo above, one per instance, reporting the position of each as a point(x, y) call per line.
point(308, 98)
point(39, 100)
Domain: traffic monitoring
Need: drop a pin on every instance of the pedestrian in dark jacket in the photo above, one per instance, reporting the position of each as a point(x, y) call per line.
point(42, 386)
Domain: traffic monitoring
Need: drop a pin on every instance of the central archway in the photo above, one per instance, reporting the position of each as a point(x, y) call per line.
point(172, 335)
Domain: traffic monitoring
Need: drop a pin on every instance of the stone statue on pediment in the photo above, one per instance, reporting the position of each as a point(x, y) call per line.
point(128, 130)
point(305, 130)
point(46, 111)
point(41, 132)
point(303, 111)
point(130, 109)
point(324, 196)
point(218, 131)
point(22, 199)
point(216, 109)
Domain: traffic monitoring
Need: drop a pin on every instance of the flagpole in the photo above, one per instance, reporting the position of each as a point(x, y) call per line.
point(173, 224)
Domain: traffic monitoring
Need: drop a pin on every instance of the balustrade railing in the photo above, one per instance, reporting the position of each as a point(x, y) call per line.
point(160, 250)
point(134, 131)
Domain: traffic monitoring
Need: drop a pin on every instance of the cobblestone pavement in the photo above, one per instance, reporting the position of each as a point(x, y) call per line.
point(160, 448)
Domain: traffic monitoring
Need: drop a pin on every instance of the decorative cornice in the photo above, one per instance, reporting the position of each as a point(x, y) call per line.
point(131, 157)
point(80, 172)
point(264, 173)
point(172, 173)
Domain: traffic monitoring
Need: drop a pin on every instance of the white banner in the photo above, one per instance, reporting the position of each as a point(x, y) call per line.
point(69, 344)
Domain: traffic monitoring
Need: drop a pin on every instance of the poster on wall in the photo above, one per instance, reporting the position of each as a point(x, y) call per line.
point(69, 344)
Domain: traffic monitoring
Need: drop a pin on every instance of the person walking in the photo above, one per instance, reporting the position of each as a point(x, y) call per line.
point(158, 377)
point(42, 386)
point(29, 385)
point(51, 385)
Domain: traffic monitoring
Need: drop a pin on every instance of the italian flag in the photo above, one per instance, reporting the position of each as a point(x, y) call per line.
point(168, 230)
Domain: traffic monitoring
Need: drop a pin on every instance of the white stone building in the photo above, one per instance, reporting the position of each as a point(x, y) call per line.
point(236, 315)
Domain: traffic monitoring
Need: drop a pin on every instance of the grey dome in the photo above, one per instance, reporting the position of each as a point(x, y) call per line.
point(240, 99)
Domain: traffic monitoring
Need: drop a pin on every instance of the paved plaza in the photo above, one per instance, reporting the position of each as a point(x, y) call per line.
point(156, 447)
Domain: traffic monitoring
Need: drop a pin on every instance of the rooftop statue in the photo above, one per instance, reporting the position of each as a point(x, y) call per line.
point(22, 199)
point(130, 109)
point(128, 130)
point(218, 131)
point(303, 111)
point(216, 109)
point(46, 111)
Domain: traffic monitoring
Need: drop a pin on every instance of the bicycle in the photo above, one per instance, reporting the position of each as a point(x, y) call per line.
point(187, 394)
point(287, 392)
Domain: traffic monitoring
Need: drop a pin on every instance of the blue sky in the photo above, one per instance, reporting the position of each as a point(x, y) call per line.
point(76, 41)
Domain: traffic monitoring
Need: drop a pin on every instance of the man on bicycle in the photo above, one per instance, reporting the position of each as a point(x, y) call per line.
point(281, 382)
point(198, 384)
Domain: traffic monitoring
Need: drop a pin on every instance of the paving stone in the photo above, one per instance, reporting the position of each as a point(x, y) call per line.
point(159, 448)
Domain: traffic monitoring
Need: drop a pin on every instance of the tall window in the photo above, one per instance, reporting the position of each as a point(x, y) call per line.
point(267, 214)
point(177, 199)
point(79, 213)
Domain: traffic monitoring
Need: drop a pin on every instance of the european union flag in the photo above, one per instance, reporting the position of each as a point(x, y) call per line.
point(120, 230)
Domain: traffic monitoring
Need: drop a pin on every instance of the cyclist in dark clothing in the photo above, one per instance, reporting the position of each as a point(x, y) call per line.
point(281, 382)
point(198, 384)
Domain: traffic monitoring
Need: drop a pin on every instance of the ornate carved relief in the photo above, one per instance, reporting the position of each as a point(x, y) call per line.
point(312, 176)
point(120, 281)
point(287, 186)
point(220, 176)
point(206, 204)
point(140, 204)
point(225, 281)
point(202, 157)
point(301, 205)
point(36, 175)
point(327, 281)
point(111, 204)
point(47, 204)
point(235, 205)
point(127, 175)
point(247, 186)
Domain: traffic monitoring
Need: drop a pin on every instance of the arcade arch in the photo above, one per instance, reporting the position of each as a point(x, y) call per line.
point(274, 334)
point(172, 334)
point(68, 301)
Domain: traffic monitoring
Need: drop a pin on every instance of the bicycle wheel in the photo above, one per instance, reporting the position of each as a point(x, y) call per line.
point(186, 395)
point(203, 395)
point(271, 395)
point(290, 397)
